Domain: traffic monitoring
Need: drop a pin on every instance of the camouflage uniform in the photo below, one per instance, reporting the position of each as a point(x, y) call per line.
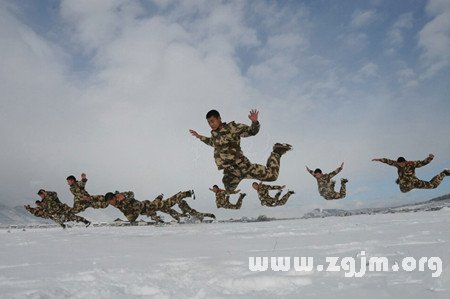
point(223, 200)
point(407, 179)
point(165, 206)
point(229, 156)
point(38, 212)
point(59, 212)
point(83, 200)
point(326, 186)
point(267, 200)
point(187, 210)
point(132, 208)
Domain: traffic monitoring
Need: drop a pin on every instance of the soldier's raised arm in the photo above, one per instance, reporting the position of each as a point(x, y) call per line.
point(424, 162)
point(336, 171)
point(253, 129)
point(310, 171)
point(385, 161)
point(82, 182)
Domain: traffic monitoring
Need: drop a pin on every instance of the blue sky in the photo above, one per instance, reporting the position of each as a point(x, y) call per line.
point(112, 87)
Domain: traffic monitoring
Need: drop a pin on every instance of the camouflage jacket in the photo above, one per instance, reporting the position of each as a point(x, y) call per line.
point(38, 211)
point(222, 196)
point(226, 141)
point(324, 182)
point(79, 192)
point(263, 190)
point(129, 206)
point(52, 206)
point(409, 170)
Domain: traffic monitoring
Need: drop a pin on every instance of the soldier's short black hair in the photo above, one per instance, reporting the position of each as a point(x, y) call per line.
point(37, 202)
point(71, 177)
point(401, 159)
point(215, 186)
point(318, 170)
point(41, 191)
point(109, 196)
point(212, 113)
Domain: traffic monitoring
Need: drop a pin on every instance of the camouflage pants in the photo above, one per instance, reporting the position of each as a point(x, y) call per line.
point(187, 210)
point(177, 198)
point(95, 202)
point(409, 183)
point(224, 202)
point(330, 194)
point(147, 208)
point(66, 215)
point(275, 201)
point(234, 174)
point(175, 215)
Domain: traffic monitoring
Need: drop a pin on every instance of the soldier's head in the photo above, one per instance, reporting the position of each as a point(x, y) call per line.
point(215, 188)
point(110, 197)
point(255, 185)
point(71, 180)
point(42, 193)
point(318, 173)
point(214, 119)
point(401, 161)
point(38, 202)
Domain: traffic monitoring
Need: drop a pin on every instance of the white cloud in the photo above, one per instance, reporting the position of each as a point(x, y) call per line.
point(434, 38)
point(152, 76)
point(362, 18)
point(395, 34)
point(407, 77)
point(370, 69)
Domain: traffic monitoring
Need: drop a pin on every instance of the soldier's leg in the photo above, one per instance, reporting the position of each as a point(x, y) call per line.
point(79, 207)
point(152, 214)
point(58, 219)
point(285, 198)
point(232, 176)
point(433, 183)
point(228, 205)
point(266, 173)
point(343, 190)
point(332, 195)
point(175, 215)
point(177, 198)
point(332, 184)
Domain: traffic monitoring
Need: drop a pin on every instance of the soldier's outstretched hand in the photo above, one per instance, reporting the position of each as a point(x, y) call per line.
point(194, 133)
point(431, 156)
point(376, 160)
point(253, 115)
point(83, 176)
point(342, 165)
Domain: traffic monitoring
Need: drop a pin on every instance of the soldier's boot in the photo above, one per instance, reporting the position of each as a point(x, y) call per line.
point(63, 225)
point(87, 223)
point(193, 194)
point(344, 181)
point(203, 215)
point(446, 172)
point(281, 148)
point(291, 192)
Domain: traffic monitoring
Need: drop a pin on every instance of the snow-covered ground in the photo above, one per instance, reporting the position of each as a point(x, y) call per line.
point(212, 260)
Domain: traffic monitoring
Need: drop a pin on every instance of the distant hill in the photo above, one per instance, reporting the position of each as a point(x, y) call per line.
point(430, 205)
point(17, 215)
